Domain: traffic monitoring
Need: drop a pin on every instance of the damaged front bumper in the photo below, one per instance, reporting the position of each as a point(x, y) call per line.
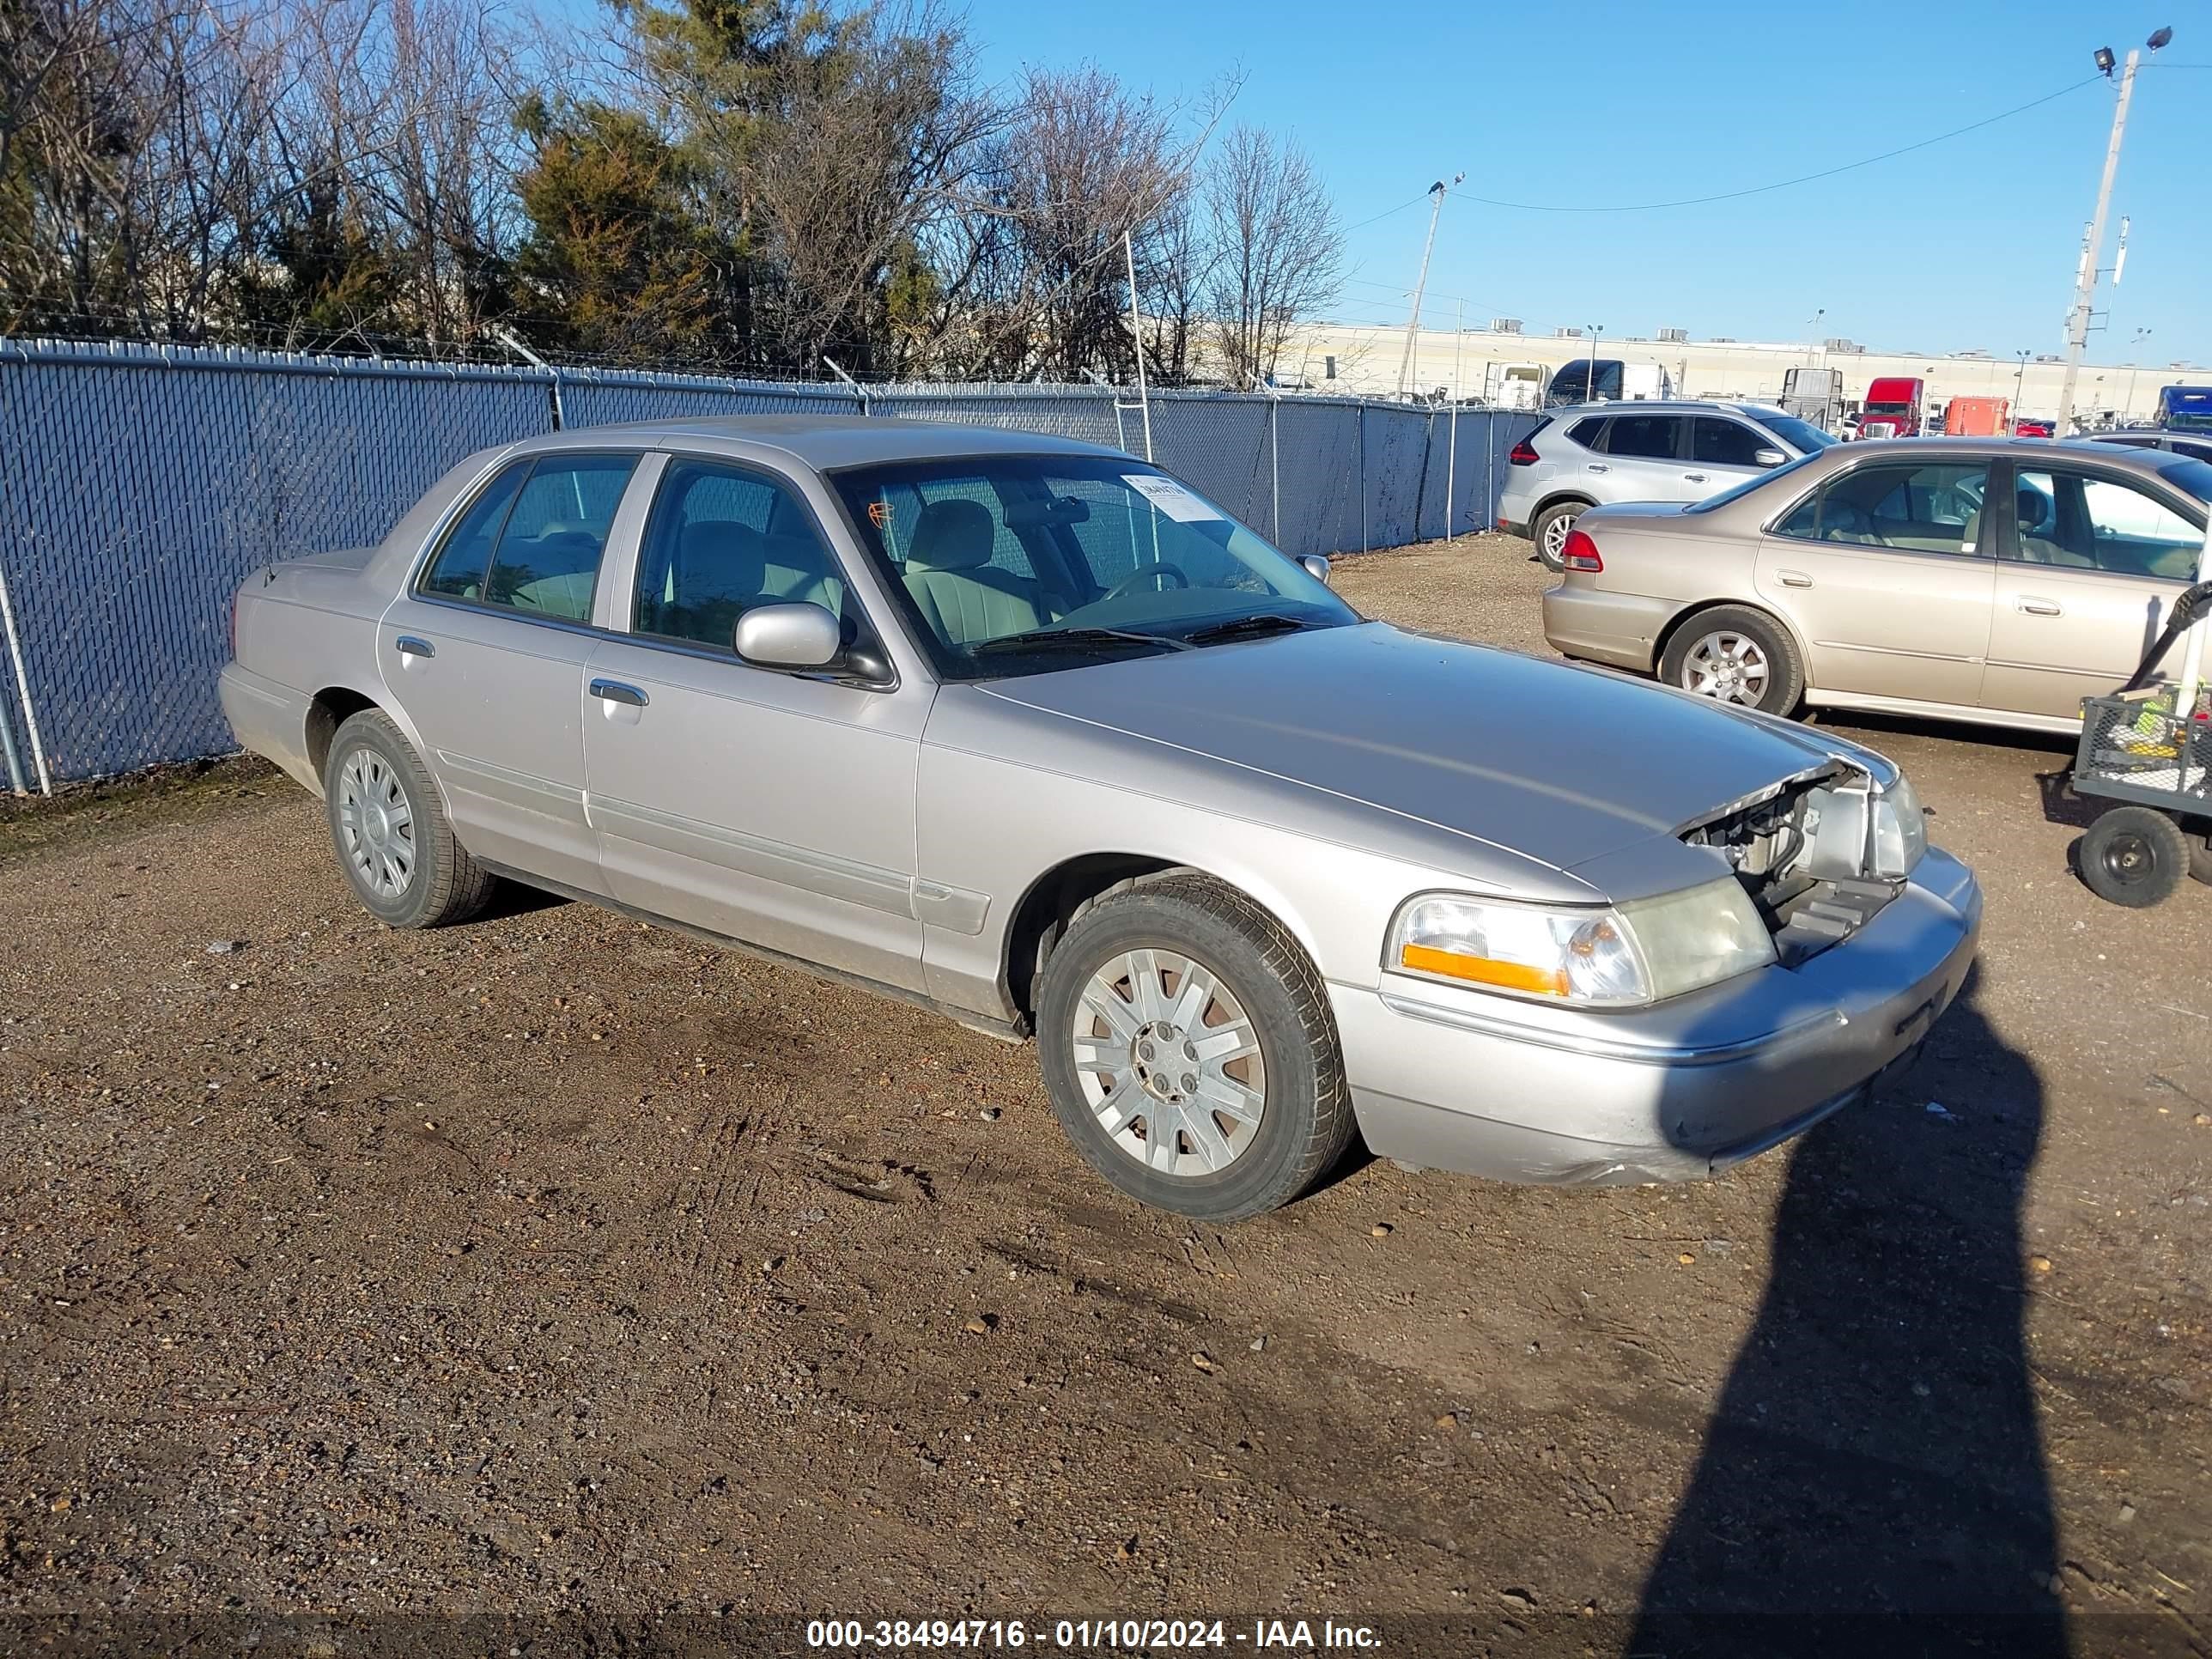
point(1460, 1080)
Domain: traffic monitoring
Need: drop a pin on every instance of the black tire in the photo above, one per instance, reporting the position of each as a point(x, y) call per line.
point(2134, 856)
point(2200, 851)
point(1304, 1120)
point(442, 885)
point(1554, 514)
point(1784, 685)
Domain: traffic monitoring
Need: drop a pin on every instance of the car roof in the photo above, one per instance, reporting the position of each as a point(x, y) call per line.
point(1676, 406)
point(823, 442)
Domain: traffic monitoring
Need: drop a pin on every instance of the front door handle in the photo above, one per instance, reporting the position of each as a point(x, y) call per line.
point(408, 646)
point(1793, 579)
point(2035, 606)
point(1694, 477)
point(616, 691)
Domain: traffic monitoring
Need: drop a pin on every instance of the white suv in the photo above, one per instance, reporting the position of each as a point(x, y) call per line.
point(1599, 453)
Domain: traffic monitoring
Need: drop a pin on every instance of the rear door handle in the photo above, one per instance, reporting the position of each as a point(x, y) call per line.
point(1598, 467)
point(2035, 606)
point(1695, 477)
point(408, 646)
point(616, 691)
point(1793, 579)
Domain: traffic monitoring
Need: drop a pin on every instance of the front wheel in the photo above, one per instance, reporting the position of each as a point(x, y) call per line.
point(2134, 856)
point(1737, 655)
point(1187, 1046)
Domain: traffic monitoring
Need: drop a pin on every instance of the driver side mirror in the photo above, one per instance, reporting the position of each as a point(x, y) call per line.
point(1768, 457)
point(1315, 566)
point(798, 635)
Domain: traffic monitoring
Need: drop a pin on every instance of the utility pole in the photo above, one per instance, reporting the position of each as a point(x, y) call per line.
point(2085, 276)
point(1437, 192)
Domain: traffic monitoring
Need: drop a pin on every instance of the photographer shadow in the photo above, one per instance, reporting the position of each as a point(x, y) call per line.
point(1873, 1479)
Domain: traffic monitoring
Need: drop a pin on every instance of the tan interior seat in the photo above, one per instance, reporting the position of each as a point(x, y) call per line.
point(950, 574)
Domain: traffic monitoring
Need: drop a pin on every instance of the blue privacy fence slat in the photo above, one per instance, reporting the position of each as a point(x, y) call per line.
point(139, 485)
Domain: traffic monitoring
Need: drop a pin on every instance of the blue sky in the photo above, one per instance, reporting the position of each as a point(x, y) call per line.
point(1971, 243)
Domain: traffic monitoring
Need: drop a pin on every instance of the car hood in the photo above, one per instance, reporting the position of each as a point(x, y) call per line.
point(1561, 764)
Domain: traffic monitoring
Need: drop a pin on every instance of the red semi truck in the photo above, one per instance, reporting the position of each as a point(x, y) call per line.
point(1893, 407)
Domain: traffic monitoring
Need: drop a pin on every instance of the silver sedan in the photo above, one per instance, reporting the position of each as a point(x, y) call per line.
point(1034, 734)
point(1998, 580)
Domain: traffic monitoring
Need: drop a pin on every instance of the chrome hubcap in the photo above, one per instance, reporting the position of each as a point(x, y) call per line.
point(1169, 1064)
point(376, 823)
point(1728, 666)
point(1555, 534)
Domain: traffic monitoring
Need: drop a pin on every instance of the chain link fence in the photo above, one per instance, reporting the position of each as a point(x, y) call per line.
point(139, 485)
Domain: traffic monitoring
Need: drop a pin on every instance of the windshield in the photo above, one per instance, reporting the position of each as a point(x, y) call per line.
point(1889, 409)
point(1758, 481)
point(1015, 564)
point(1800, 435)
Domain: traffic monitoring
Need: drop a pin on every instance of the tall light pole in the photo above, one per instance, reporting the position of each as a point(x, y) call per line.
point(1437, 192)
point(2019, 380)
point(1589, 383)
point(2134, 350)
point(2085, 275)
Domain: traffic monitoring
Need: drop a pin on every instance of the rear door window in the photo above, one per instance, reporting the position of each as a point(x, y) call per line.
point(547, 561)
point(2073, 519)
point(1648, 437)
point(458, 570)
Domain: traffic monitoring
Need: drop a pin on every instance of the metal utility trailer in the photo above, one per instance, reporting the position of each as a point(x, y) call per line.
point(2155, 763)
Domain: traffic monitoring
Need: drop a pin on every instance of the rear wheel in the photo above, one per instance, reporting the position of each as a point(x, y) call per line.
point(1187, 1046)
point(1550, 531)
point(390, 830)
point(1734, 654)
point(2134, 856)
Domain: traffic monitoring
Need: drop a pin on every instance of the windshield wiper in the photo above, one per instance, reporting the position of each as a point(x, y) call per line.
point(1050, 639)
point(1237, 627)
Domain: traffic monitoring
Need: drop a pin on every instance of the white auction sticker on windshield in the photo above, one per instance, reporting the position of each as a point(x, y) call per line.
point(1171, 497)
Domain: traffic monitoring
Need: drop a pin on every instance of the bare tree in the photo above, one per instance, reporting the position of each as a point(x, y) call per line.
point(870, 143)
point(1278, 249)
point(1086, 161)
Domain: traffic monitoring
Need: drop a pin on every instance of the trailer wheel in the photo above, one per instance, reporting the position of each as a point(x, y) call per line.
point(2200, 858)
point(2134, 856)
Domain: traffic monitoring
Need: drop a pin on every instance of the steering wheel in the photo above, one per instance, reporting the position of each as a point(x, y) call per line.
point(1144, 573)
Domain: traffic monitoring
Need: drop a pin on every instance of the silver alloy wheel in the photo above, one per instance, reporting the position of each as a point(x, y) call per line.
point(376, 822)
point(1730, 667)
point(1555, 536)
point(1168, 1063)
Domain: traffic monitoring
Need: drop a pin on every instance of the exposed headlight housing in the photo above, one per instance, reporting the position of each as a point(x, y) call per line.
point(1620, 957)
point(1901, 832)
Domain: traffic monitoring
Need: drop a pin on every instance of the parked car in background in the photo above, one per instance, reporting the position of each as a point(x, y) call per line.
point(1893, 407)
point(1599, 453)
point(1028, 731)
point(1998, 582)
point(2146, 437)
point(1605, 381)
point(2034, 426)
point(1975, 417)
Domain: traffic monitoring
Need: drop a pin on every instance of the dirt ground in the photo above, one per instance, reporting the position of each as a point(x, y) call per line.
point(575, 1278)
